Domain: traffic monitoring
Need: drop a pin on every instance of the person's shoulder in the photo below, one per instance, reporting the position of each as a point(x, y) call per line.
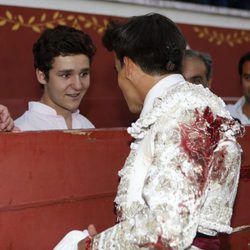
point(237, 104)
point(85, 122)
point(23, 117)
point(187, 102)
point(31, 120)
point(230, 107)
point(21, 121)
point(189, 95)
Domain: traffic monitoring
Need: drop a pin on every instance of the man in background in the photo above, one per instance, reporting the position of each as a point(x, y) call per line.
point(197, 67)
point(62, 59)
point(241, 109)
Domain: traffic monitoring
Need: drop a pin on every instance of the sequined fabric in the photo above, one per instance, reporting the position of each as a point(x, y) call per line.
point(181, 175)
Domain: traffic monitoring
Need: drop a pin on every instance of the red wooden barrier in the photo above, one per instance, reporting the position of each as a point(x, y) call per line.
point(54, 182)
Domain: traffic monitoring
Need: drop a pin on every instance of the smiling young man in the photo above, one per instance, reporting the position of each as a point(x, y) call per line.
point(62, 59)
point(178, 184)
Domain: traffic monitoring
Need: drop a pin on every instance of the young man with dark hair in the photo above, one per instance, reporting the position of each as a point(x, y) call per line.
point(62, 59)
point(197, 67)
point(178, 184)
point(241, 109)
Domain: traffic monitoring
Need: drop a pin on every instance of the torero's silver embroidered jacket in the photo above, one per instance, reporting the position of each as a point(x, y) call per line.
point(182, 173)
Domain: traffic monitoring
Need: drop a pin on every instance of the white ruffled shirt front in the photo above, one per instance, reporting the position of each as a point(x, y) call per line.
point(42, 117)
point(182, 172)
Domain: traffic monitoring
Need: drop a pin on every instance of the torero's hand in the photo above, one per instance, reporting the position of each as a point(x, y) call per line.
point(85, 244)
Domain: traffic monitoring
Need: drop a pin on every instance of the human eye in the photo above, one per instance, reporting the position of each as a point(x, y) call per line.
point(64, 75)
point(246, 77)
point(84, 74)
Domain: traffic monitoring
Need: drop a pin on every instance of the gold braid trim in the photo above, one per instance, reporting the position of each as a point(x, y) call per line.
point(232, 38)
point(44, 21)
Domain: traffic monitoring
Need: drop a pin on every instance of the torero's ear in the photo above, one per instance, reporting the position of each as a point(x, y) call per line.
point(129, 66)
point(41, 77)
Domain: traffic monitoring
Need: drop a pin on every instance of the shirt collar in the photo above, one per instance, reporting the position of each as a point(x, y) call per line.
point(239, 108)
point(158, 89)
point(239, 104)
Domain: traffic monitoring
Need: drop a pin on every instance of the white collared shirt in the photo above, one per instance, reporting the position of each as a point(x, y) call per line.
point(42, 117)
point(237, 112)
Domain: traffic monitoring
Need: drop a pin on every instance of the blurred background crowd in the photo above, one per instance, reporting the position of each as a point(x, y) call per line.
point(239, 4)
